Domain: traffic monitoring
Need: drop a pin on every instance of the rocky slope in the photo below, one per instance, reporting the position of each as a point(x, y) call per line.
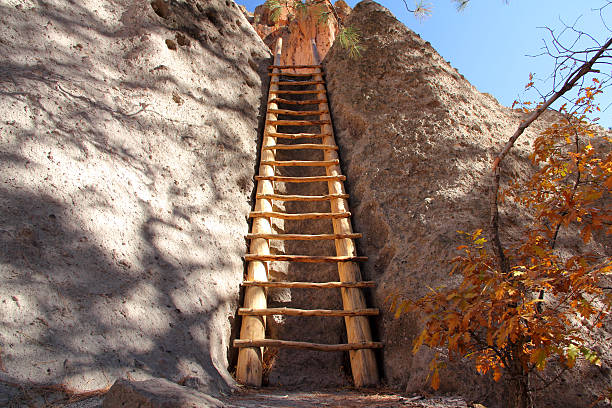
point(416, 143)
point(128, 145)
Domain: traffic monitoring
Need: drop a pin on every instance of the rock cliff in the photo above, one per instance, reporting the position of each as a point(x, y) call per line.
point(128, 146)
point(128, 143)
point(416, 142)
point(297, 27)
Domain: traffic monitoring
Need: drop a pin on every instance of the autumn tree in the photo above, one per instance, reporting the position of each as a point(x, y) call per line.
point(523, 303)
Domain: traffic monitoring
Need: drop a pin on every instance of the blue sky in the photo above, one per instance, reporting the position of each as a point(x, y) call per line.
point(489, 41)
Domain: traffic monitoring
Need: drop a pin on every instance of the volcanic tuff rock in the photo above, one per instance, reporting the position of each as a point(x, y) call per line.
point(298, 27)
point(126, 180)
point(156, 393)
point(416, 143)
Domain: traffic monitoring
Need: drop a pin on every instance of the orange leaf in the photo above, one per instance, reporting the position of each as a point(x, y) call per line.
point(497, 373)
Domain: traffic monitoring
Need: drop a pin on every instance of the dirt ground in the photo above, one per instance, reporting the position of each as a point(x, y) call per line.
point(267, 397)
point(338, 398)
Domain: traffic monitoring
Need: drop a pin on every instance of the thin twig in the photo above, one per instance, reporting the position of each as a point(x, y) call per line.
point(570, 82)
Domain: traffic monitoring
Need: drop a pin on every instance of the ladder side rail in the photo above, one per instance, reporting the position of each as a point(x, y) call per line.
point(363, 362)
point(249, 369)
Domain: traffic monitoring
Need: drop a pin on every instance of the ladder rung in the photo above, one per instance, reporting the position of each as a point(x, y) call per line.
point(284, 91)
point(288, 197)
point(297, 113)
point(310, 285)
point(297, 135)
point(277, 122)
point(304, 258)
point(286, 311)
point(308, 179)
point(293, 102)
point(293, 66)
point(291, 74)
point(300, 82)
point(300, 163)
point(300, 216)
point(303, 237)
point(315, 146)
point(305, 345)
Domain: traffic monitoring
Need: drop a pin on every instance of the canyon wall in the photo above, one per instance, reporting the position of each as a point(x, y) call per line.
point(297, 27)
point(416, 144)
point(128, 143)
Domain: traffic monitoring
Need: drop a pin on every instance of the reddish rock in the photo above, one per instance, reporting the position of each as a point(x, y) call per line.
point(342, 9)
point(297, 48)
point(298, 27)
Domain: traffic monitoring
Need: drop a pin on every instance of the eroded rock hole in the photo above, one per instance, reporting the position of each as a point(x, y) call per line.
point(161, 8)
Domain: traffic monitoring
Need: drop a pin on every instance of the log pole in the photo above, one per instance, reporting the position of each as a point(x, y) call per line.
point(249, 369)
point(363, 362)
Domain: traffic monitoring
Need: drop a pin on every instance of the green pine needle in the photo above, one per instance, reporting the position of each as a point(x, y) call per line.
point(275, 8)
point(350, 40)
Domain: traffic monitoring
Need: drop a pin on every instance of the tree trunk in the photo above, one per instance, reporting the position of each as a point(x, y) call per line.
point(520, 397)
point(518, 387)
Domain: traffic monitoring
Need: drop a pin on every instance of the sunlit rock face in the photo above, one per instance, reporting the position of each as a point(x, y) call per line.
point(298, 27)
point(128, 141)
point(416, 144)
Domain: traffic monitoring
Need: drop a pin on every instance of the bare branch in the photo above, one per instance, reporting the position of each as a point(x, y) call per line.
point(570, 82)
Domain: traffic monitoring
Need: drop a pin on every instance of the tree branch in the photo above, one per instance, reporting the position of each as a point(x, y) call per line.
point(574, 77)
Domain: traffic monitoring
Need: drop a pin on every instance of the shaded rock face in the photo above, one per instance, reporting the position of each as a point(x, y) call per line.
point(416, 142)
point(297, 28)
point(126, 174)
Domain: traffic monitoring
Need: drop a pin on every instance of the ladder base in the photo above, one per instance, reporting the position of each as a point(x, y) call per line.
point(304, 237)
point(307, 345)
point(311, 285)
point(293, 66)
point(287, 311)
point(305, 258)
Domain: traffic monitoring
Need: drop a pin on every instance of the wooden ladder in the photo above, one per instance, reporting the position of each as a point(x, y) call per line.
point(252, 334)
